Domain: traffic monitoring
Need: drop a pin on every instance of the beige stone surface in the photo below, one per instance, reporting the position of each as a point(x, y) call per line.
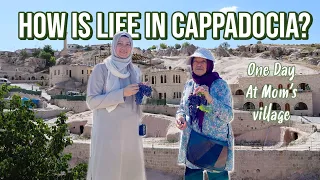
point(157, 125)
point(173, 133)
point(249, 163)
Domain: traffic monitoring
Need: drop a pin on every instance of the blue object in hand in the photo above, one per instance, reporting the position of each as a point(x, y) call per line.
point(142, 130)
point(144, 90)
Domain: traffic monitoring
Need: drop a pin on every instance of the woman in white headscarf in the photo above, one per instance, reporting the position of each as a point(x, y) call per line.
point(116, 151)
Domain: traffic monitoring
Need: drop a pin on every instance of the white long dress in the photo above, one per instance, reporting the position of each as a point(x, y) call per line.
point(116, 147)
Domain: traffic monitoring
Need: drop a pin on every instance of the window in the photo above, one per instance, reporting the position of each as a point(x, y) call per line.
point(55, 73)
point(174, 79)
point(260, 104)
point(288, 87)
point(145, 78)
point(165, 79)
point(82, 71)
point(176, 95)
point(160, 95)
point(58, 72)
point(287, 107)
point(179, 79)
point(280, 86)
point(152, 82)
point(66, 72)
point(161, 79)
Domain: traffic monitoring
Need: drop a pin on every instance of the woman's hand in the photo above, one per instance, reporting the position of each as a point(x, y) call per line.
point(130, 90)
point(181, 123)
point(205, 90)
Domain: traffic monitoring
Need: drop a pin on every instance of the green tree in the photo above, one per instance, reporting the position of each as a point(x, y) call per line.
point(153, 47)
point(30, 148)
point(47, 56)
point(185, 44)
point(163, 46)
point(177, 46)
point(52, 61)
point(48, 49)
point(24, 54)
point(36, 53)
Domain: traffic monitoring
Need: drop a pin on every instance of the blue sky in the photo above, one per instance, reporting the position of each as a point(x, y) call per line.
point(9, 18)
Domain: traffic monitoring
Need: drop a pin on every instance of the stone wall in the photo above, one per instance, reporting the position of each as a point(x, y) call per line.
point(157, 125)
point(310, 98)
point(249, 164)
point(48, 113)
point(305, 97)
point(29, 96)
point(76, 106)
point(274, 164)
point(169, 110)
point(243, 122)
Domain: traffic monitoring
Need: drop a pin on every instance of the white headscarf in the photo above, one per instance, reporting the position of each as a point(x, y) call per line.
point(120, 68)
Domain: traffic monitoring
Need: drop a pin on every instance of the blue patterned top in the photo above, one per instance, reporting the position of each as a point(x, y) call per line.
point(215, 124)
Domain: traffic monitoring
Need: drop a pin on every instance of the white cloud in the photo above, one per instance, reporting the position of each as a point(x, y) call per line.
point(229, 9)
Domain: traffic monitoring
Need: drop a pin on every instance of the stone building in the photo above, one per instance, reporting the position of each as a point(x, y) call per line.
point(20, 74)
point(73, 46)
point(166, 83)
point(62, 73)
point(100, 46)
point(29, 51)
point(7, 53)
point(306, 102)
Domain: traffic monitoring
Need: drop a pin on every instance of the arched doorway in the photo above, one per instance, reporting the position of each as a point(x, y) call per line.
point(301, 106)
point(260, 104)
point(287, 107)
point(304, 86)
point(280, 86)
point(248, 106)
point(239, 92)
point(276, 106)
point(288, 87)
point(295, 136)
point(81, 129)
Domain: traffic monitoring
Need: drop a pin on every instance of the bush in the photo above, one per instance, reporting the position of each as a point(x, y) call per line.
point(163, 46)
point(29, 148)
point(185, 44)
point(25, 91)
point(177, 46)
point(156, 101)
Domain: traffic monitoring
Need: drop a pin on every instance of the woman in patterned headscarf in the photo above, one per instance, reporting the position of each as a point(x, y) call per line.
point(213, 123)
